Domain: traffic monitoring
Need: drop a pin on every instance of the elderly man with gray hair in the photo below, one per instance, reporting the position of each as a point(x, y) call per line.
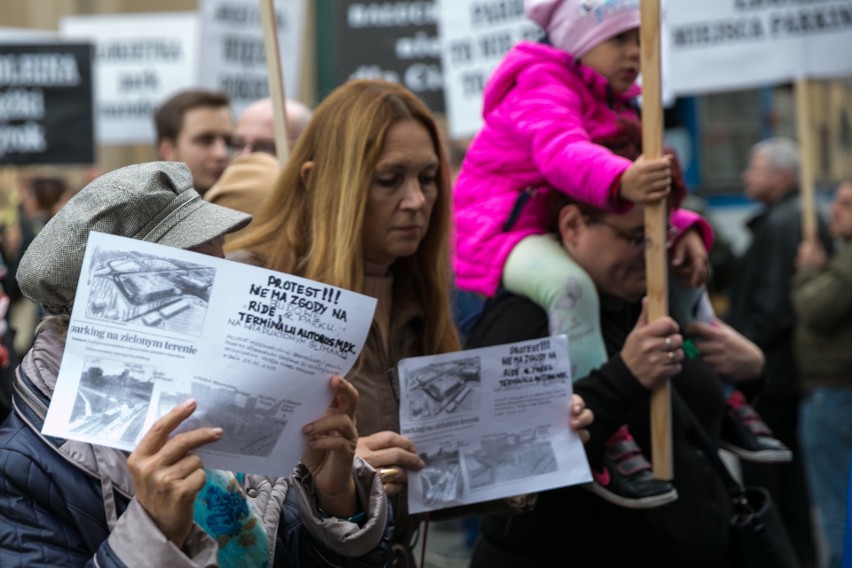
point(67, 503)
point(762, 311)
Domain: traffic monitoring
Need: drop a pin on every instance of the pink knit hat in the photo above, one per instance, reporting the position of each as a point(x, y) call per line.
point(577, 26)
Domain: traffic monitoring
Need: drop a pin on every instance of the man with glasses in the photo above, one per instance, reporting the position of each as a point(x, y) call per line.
point(255, 131)
point(249, 178)
point(692, 530)
point(637, 239)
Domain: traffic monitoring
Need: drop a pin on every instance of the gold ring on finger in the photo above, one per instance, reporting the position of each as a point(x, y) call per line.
point(389, 474)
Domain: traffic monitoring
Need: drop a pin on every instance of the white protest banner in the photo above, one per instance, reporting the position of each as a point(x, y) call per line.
point(490, 423)
point(738, 44)
point(24, 35)
point(475, 35)
point(140, 60)
point(153, 326)
point(233, 58)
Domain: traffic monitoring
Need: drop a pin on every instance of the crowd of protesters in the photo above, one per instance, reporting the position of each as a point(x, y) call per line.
point(544, 224)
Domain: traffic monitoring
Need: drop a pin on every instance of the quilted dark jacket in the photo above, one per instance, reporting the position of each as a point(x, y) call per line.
point(68, 503)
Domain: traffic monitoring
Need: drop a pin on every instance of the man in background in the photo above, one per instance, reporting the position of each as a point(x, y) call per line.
point(255, 131)
point(249, 178)
point(195, 127)
point(822, 298)
point(762, 311)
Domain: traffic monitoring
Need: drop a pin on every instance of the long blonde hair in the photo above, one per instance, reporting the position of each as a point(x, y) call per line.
point(315, 229)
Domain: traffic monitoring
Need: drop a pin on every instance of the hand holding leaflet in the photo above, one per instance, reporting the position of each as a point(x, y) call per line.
point(153, 326)
point(491, 423)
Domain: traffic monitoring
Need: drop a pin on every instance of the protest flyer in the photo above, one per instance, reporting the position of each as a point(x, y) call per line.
point(490, 423)
point(153, 326)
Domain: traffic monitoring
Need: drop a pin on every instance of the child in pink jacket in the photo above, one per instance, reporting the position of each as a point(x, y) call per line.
point(543, 107)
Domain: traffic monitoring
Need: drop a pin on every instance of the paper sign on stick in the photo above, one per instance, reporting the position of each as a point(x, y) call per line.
point(739, 44)
point(233, 58)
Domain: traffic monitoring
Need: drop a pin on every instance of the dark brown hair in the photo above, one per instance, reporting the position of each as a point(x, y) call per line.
point(168, 118)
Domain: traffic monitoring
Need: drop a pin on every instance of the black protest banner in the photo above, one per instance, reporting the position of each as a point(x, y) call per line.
point(46, 111)
point(396, 41)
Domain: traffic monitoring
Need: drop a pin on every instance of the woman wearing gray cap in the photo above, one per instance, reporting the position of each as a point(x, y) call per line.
point(67, 503)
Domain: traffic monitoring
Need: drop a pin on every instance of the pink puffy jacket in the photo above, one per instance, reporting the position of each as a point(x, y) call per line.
point(542, 110)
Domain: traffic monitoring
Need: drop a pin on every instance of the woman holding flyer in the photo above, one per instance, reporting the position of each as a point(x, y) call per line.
point(67, 503)
point(364, 204)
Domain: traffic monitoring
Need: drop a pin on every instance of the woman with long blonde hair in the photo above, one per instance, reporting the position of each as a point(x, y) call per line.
point(364, 204)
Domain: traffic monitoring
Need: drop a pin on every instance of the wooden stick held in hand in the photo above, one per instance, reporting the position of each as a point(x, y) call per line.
point(804, 126)
point(656, 222)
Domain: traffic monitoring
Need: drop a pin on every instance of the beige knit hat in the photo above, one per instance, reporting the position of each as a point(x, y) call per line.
point(246, 182)
point(152, 202)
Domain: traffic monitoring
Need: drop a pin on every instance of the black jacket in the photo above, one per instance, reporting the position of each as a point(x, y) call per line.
point(761, 308)
point(573, 527)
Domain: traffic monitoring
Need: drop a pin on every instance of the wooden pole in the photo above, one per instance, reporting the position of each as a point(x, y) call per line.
point(656, 223)
point(804, 126)
point(308, 75)
point(276, 79)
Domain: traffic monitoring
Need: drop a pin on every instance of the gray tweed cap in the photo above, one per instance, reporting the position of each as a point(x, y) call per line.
point(151, 202)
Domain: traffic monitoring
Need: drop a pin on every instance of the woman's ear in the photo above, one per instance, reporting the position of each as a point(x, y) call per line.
point(305, 172)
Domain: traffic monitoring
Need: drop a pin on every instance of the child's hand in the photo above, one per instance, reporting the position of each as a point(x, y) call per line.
point(689, 258)
point(647, 181)
point(728, 352)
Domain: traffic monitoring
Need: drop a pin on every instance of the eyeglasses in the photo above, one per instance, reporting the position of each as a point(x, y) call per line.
point(636, 239)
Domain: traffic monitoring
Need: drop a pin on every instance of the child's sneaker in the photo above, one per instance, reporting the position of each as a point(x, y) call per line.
point(747, 436)
point(625, 478)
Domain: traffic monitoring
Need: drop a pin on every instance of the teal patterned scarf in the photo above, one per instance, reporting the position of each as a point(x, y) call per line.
point(222, 510)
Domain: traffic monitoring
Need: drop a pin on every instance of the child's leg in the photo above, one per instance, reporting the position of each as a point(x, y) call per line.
point(744, 432)
point(687, 304)
point(539, 269)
